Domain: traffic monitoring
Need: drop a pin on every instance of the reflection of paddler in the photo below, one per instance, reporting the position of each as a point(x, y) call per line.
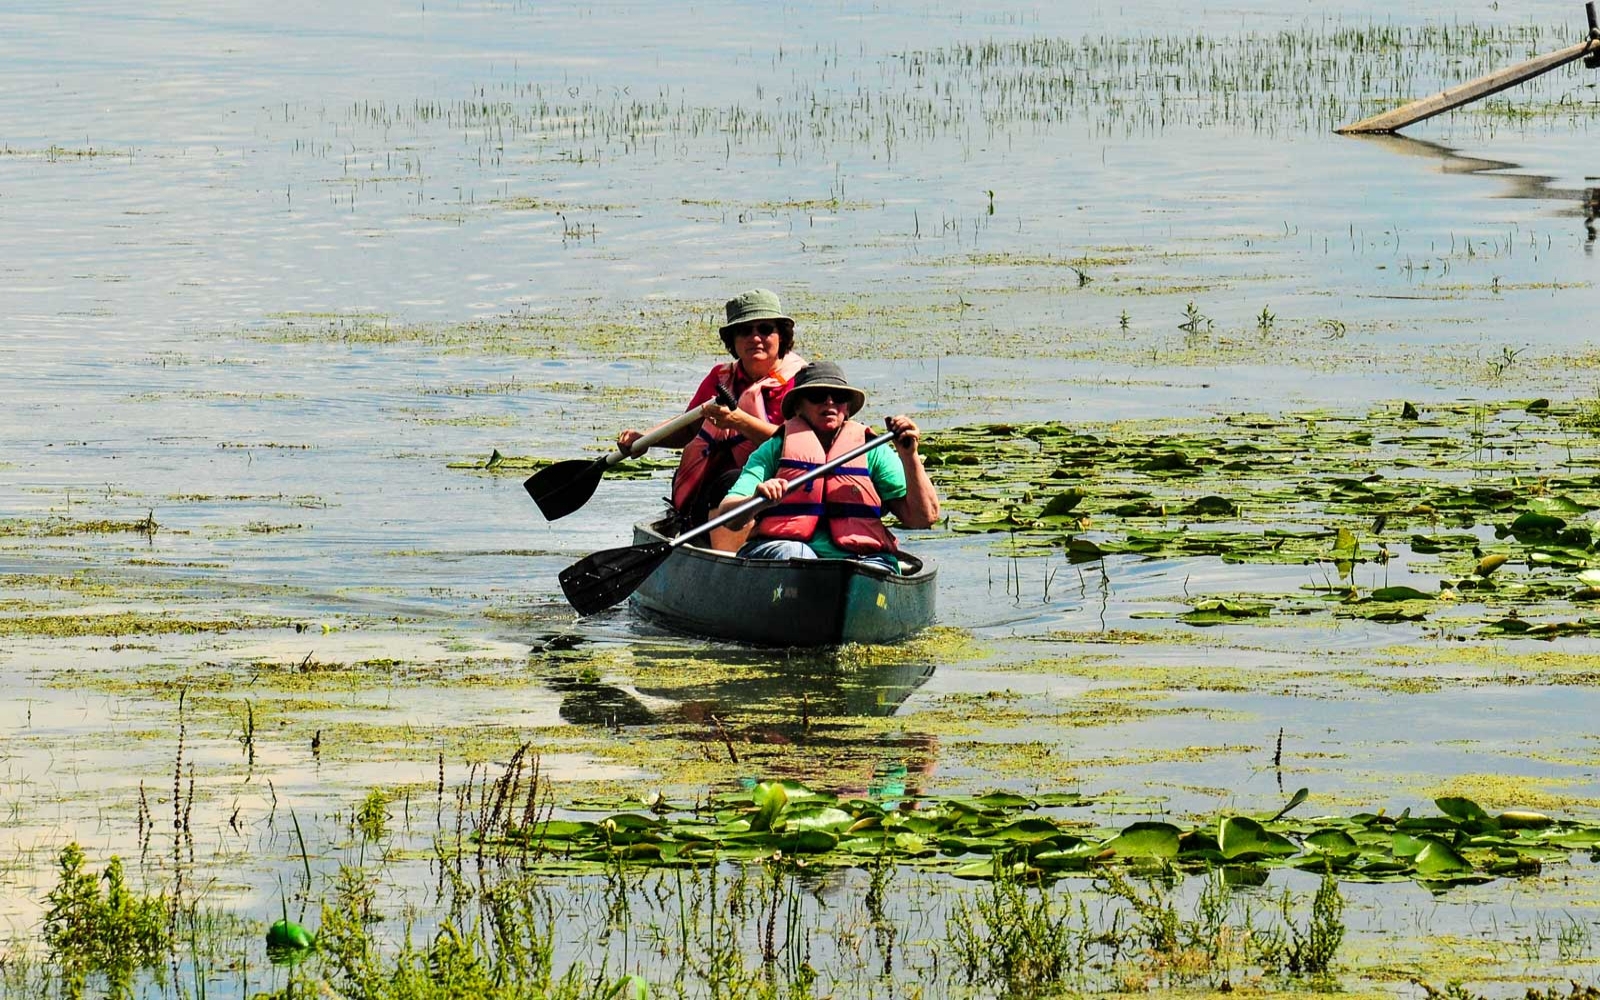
point(762, 716)
point(745, 683)
point(760, 338)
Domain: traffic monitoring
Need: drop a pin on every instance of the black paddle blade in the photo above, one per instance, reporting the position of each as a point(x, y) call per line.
point(596, 582)
point(563, 487)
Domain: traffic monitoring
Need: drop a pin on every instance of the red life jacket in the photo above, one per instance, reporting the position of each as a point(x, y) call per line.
point(845, 496)
point(712, 443)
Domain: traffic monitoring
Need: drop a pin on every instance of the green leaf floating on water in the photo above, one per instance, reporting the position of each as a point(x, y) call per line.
point(1145, 840)
point(1534, 525)
point(1389, 595)
point(1242, 838)
point(1074, 858)
point(1029, 828)
point(1438, 858)
point(1215, 612)
point(1456, 542)
point(1212, 506)
point(1557, 507)
point(556, 829)
point(807, 841)
point(1063, 502)
point(1461, 809)
point(1082, 550)
point(1009, 800)
point(1335, 844)
point(770, 798)
point(828, 818)
point(1581, 839)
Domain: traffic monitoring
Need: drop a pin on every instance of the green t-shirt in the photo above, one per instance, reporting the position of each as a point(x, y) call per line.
point(883, 464)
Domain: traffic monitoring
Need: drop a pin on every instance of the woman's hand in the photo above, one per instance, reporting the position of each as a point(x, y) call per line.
point(721, 416)
point(906, 434)
point(919, 508)
point(626, 439)
point(772, 489)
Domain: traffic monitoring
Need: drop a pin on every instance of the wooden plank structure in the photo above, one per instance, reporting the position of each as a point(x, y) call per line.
point(1483, 86)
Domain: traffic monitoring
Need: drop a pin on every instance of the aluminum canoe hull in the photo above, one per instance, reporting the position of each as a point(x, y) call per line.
point(782, 602)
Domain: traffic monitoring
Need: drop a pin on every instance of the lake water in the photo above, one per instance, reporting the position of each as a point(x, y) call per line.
point(275, 280)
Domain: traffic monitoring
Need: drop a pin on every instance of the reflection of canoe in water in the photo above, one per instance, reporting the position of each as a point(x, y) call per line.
point(771, 694)
point(782, 602)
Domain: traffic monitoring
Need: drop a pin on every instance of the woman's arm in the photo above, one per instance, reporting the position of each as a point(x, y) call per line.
point(758, 476)
point(677, 439)
point(919, 508)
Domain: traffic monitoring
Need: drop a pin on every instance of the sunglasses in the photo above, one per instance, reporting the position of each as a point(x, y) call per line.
point(759, 330)
point(820, 396)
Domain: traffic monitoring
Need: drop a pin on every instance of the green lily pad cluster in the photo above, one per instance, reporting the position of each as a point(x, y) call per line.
point(1027, 836)
point(1454, 493)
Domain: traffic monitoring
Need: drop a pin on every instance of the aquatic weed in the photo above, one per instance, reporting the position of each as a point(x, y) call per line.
point(114, 933)
point(1019, 937)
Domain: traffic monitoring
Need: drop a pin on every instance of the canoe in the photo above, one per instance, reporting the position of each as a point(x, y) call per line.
point(784, 602)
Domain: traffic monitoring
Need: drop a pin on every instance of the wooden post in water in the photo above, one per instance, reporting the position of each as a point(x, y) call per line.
point(1483, 86)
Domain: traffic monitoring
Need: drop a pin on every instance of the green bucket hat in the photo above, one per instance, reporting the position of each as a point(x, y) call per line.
point(820, 375)
point(747, 307)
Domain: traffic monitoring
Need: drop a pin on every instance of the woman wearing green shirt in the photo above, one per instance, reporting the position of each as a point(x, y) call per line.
point(823, 402)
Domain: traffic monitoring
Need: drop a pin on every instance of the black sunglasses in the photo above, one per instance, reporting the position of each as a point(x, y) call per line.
point(759, 330)
point(820, 396)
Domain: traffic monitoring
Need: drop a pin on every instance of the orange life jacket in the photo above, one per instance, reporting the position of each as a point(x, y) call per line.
point(713, 442)
point(845, 496)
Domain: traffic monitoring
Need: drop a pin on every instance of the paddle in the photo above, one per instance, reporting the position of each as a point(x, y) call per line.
point(563, 487)
point(598, 581)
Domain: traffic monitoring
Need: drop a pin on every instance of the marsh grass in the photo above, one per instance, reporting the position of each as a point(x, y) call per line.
point(528, 922)
point(1310, 77)
point(1023, 938)
point(111, 933)
point(63, 527)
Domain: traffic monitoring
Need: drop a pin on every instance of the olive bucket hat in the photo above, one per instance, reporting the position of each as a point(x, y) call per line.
point(821, 375)
point(747, 307)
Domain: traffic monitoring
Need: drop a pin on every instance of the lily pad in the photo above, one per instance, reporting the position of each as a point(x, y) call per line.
point(1145, 840)
point(1242, 838)
point(1396, 594)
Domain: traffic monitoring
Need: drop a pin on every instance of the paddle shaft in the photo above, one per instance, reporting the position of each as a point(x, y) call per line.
point(756, 503)
point(562, 488)
point(687, 418)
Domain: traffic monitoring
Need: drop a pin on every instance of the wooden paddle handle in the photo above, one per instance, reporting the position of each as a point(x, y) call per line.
point(653, 436)
point(685, 419)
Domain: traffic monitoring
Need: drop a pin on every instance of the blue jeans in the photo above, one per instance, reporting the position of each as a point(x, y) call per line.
point(784, 548)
